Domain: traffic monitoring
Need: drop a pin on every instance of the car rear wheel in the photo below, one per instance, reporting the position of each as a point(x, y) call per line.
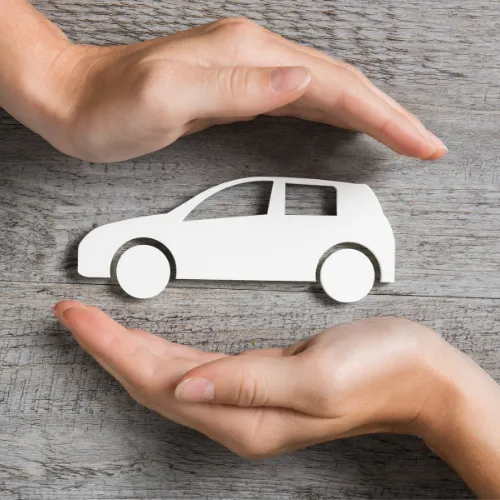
point(347, 275)
point(143, 271)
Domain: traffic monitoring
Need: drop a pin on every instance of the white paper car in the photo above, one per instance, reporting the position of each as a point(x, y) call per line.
point(339, 250)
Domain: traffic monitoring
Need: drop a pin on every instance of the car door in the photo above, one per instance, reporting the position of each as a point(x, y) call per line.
point(310, 225)
point(231, 235)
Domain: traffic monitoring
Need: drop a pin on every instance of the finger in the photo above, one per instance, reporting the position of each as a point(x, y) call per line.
point(115, 348)
point(370, 87)
point(251, 433)
point(167, 350)
point(241, 91)
point(363, 109)
point(314, 53)
point(249, 381)
point(134, 357)
point(340, 95)
point(118, 351)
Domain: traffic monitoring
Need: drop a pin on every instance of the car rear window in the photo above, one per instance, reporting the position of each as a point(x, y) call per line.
point(302, 199)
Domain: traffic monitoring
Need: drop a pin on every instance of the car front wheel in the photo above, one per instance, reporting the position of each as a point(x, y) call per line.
point(347, 275)
point(143, 271)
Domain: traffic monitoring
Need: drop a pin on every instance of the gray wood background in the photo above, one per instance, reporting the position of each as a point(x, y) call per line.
point(68, 431)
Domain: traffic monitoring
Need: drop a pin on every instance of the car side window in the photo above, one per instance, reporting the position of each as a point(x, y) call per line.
point(243, 200)
point(303, 199)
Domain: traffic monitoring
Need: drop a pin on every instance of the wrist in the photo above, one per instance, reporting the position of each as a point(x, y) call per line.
point(444, 399)
point(459, 385)
point(45, 98)
point(41, 72)
point(460, 422)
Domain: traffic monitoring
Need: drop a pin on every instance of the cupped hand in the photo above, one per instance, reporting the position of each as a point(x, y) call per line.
point(375, 375)
point(125, 101)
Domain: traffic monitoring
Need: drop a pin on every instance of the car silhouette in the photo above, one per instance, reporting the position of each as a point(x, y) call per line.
point(343, 251)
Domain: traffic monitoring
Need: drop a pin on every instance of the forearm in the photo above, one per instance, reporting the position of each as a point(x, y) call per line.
point(34, 64)
point(464, 428)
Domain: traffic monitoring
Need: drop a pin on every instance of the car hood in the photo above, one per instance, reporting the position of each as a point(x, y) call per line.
point(98, 247)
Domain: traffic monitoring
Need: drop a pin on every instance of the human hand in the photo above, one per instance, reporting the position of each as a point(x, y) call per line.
point(369, 376)
point(115, 103)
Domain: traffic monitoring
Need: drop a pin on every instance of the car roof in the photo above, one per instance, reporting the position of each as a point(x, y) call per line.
point(289, 180)
point(348, 192)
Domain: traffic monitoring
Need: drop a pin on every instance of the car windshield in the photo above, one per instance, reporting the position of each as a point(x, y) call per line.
point(241, 200)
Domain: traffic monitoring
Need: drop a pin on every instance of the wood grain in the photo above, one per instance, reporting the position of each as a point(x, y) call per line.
point(445, 215)
point(427, 53)
point(68, 431)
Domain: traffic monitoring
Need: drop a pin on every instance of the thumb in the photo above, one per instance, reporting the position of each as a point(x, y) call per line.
point(244, 92)
point(247, 381)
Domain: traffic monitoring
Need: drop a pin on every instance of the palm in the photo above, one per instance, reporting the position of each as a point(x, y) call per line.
point(347, 380)
point(149, 368)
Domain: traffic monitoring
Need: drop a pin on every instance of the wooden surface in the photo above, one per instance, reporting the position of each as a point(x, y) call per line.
point(68, 431)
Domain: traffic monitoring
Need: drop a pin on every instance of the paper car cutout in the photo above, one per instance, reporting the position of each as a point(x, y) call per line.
point(341, 250)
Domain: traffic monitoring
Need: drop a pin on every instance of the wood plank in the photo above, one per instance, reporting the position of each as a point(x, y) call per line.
point(69, 431)
point(444, 214)
point(427, 53)
point(231, 320)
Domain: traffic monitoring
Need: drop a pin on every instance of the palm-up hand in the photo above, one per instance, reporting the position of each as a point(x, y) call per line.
point(374, 375)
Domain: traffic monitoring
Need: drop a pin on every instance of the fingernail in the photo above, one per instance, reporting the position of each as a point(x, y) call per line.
point(62, 308)
point(290, 79)
point(65, 312)
point(437, 142)
point(195, 390)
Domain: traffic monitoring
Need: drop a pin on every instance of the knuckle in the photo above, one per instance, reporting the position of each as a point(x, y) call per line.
point(237, 27)
point(233, 82)
point(237, 37)
point(252, 389)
